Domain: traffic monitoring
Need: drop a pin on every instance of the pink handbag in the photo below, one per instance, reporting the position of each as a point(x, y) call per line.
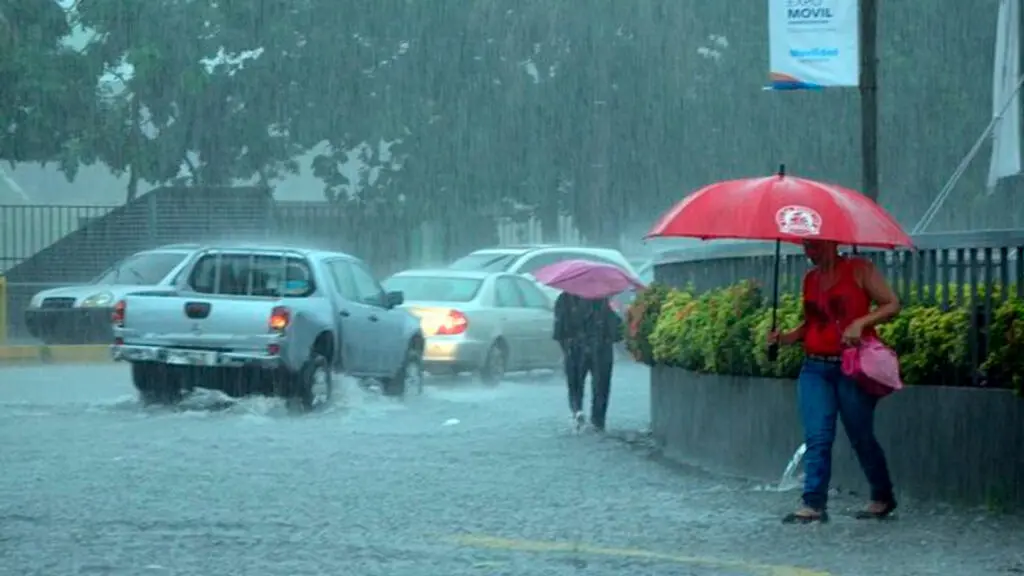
point(874, 366)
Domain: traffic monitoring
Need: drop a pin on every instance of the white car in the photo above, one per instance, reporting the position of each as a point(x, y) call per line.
point(80, 314)
point(482, 322)
point(525, 260)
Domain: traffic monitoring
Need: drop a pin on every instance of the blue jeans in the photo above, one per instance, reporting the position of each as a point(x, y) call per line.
point(823, 393)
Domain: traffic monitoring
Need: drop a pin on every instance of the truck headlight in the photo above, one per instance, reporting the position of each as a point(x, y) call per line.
point(98, 300)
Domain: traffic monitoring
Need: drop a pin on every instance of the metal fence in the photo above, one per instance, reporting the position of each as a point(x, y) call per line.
point(976, 271)
point(25, 230)
point(43, 247)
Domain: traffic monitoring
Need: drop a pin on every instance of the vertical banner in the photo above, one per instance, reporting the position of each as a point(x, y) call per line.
point(813, 44)
point(1006, 132)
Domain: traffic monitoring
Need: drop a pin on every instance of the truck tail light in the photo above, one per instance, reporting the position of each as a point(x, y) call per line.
point(117, 316)
point(454, 323)
point(280, 317)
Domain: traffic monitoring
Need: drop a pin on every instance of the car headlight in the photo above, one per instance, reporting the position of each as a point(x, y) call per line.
point(97, 300)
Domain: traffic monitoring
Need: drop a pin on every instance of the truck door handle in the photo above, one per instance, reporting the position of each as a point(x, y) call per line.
point(373, 318)
point(345, 313)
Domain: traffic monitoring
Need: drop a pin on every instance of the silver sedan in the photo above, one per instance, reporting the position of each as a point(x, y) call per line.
point(475, 321)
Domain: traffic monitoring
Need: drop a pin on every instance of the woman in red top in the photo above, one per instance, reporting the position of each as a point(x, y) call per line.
point(838, 294)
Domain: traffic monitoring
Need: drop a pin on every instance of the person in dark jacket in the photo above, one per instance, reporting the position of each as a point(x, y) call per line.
point(587, 331)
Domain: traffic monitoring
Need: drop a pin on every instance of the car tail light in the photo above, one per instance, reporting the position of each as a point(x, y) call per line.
point(280, 317)
point(117, 316)
point(454, 323)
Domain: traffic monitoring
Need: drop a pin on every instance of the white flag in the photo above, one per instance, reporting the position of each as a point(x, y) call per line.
point(1006, 135)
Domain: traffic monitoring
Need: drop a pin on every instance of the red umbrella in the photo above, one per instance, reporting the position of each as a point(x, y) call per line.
point(782, 208)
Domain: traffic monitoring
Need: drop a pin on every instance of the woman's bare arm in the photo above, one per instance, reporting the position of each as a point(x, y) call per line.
point(887, 304)
point(795, 335)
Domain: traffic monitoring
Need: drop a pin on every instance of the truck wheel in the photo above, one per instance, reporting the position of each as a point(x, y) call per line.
point(409, 378)
point(156, 383)
point(313, 387)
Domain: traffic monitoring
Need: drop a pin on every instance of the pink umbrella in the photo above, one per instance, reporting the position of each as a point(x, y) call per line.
point(587, 279)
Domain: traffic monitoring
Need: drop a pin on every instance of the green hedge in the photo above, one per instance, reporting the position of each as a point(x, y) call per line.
point(723, 332)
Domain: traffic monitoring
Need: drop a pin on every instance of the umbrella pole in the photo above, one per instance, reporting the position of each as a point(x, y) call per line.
point(773, 349)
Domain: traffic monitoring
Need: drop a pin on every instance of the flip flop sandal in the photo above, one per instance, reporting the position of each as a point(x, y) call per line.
point(798, 518)
point(882, 514)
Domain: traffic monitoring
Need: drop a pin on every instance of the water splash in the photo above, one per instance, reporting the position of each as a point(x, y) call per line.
point(790, 477)
point(350, 398)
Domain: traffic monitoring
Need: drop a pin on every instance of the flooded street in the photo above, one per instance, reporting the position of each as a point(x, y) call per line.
point(463, 480)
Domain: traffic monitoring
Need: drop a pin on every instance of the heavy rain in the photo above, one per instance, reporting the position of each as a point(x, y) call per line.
point(277, 289)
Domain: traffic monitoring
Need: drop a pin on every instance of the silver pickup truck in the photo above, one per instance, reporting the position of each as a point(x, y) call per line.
point(268, 320)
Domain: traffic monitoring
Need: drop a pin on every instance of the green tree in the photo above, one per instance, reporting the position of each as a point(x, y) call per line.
point(213, 87)
point(47, 93)
point(424, 78)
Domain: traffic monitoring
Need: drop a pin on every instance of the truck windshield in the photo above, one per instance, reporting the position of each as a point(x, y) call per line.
point(146, 269)
point(237, 274)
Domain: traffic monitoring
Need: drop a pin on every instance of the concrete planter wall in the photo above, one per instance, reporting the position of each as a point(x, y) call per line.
point(962, 445)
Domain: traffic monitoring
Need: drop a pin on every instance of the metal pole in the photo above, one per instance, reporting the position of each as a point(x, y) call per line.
point(965, 162)
point(868, 17)
point(3, 311)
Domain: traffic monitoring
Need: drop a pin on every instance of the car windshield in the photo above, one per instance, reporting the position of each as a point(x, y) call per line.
point(147, 269)
point(434, 288)
point(486, 261)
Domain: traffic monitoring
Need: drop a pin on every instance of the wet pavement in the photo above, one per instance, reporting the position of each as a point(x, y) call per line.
point(463, 480)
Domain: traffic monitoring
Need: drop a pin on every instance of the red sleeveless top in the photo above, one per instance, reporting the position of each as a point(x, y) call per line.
point(828, 312)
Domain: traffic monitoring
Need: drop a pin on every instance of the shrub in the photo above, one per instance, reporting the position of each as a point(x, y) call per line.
point(790, 315)
point(723, 331)
point(935, 350)
point(732, 313)
point(711, 333)
point(1005, 363)
point(640, 320)
point(668, 340)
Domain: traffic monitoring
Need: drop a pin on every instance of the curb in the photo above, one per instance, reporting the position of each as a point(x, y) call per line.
point(84, 354)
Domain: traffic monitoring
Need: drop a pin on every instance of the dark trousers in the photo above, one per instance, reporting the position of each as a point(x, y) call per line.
point(596, 360)
point(823, 394)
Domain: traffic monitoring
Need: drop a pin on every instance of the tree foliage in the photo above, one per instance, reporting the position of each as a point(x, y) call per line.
point(607, 110)
point(46, 88)
point(208, 86)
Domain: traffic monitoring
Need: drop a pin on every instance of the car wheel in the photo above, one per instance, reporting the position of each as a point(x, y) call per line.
point(157, 383)
point(409, 379)
point(313, 387)
point(495, 363)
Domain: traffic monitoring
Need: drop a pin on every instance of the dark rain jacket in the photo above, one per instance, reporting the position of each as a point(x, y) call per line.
point(579, 321)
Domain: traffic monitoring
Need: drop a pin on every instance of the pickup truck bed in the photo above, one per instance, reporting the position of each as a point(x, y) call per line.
point(238, 344)
point(199, 321)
